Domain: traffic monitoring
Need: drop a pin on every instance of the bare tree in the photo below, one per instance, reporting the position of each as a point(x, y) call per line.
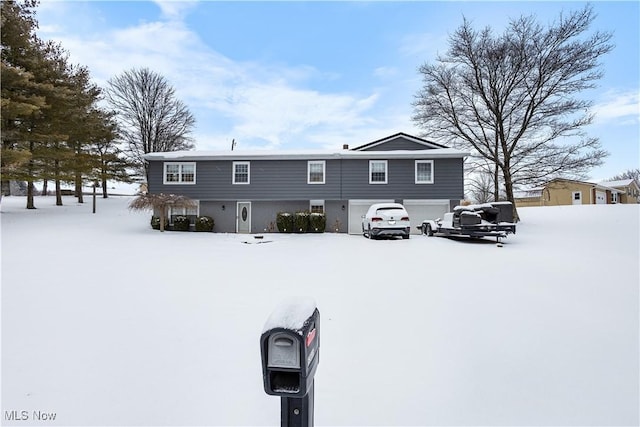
point(151, 118)
point(628, 174)
point(480, 186)
point(514, 100)
point(160, 203)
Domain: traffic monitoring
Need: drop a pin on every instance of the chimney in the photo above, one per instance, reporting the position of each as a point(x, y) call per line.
point(345, 146)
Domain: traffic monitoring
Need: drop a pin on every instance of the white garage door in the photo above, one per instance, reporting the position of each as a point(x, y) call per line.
point(419, 210)
point(357, 208)
point(601, 198)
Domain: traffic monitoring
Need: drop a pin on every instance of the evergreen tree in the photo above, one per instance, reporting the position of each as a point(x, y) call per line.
point(21, 94)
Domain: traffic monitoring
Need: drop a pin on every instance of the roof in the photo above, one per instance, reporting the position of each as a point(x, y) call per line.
point(421, 141)
point(436, 153)
point(619, 183)
point(534, 192)
point(537, 191)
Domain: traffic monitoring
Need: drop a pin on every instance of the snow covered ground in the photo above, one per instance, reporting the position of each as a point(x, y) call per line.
point(108, 322)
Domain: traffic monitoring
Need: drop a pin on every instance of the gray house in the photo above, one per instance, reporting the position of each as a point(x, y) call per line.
point(243, 191)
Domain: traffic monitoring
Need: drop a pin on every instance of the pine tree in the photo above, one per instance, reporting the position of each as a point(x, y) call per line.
point(21, 94)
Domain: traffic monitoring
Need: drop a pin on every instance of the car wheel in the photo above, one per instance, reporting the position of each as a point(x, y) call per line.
point(369, 235)
point(428, 231)
point(405, 236)
point(364, 232)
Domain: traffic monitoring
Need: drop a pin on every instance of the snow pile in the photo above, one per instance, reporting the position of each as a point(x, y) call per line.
point(108, 322)
point(291, 313)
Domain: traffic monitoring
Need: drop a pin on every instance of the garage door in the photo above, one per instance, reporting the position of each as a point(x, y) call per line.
point(419, 210)
point(357, 208)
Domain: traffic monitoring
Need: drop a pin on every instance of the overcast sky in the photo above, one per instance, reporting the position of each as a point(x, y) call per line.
point(286, 75)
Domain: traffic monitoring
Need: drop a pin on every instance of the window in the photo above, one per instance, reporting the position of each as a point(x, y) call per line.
point(377, 171)
point(179, 173)
point(191, 213)
point(424, 171)
point(316, 206)
point(614, 197)
point(315, 172)
point(241, 172)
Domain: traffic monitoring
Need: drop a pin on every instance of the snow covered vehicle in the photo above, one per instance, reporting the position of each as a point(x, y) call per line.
point(485, 220)
point(386, 219)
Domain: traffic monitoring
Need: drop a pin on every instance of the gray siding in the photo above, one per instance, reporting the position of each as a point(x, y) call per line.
point(287, 180)
point(263, 214)
point(269, 180)
point(448, 181)
point(395, 144)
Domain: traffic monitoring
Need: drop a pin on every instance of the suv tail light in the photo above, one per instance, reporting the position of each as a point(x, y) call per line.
point(376, 218)
point(405, 218)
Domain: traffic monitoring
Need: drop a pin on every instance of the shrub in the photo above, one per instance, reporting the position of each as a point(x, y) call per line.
point(155, 222)
point(181, 223)
point(284, 221)
point(301, 222)
point(204, 223)
point(317, 222)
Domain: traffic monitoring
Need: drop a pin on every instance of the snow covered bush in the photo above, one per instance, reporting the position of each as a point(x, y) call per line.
point(317, 222)
point(284, 222)
point(204, 223)
point(301, 222)
point(181, 223)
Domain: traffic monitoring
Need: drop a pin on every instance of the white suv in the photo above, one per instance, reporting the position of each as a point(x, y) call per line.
point(386, 219)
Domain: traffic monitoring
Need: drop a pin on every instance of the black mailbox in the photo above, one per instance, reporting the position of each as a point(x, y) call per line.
point(289, 346)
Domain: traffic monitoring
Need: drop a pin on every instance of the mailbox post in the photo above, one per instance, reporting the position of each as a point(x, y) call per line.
point(289, 347)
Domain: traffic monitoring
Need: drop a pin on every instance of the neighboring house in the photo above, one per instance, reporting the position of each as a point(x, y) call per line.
point(567, 192)
point(244, 190)
point(630, 191)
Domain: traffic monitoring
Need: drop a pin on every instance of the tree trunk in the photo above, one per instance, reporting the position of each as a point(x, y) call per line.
point(30, 191)
point(45, 184)
point(78, 188)
point(6, 188)
point(104, 188)
point(508, 186)
point(30, 188)
point(58, 193)
point(496, 186)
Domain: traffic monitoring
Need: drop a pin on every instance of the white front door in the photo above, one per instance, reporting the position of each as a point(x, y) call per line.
point(601, 197)
point(577, 198)
point(244, 217)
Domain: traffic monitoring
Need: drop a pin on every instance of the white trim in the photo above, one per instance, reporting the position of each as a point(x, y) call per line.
point(573, 197)
point(417, 162)
point(233, 173)
point(436, 153)
point(426, 202)
point(324, 171)
point(180, 173)
point(414, 139)
point(386, 171)
point(316, 203)
point(182, 211)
